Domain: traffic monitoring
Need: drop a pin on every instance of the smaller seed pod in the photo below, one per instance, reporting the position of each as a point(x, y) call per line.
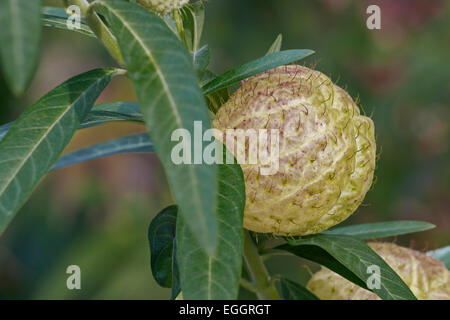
point(427, 277)
point(163, 6)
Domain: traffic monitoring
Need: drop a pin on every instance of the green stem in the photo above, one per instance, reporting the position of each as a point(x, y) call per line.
point(100, 30)
point(269, 253)
point(264, 287)
point(179, 23)
point(248, 285)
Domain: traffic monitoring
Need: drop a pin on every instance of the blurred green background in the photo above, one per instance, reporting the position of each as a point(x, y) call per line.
point(96, 214)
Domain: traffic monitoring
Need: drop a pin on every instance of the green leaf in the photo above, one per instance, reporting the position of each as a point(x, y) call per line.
point(276, 46)
point(4, 129)
point(338, 252)
point(161, 235)
point(170, 22)
point(162, 74)
point(34, 142)
point(206, 77)
point(201, 59)
point(101, 114)
point(442, 254)
point(163, 250)
point(257, 66)
point(137, 143)
point(216, 99)
point(176, 285)
point(20, 37)
point(322, 257)
point(381, 229)
point(112, 111)
point(57, 18)
point(217, 275)
point(193, 22)
point(290, 290)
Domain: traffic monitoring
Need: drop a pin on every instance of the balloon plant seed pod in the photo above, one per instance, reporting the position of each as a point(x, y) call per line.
point(326, 154)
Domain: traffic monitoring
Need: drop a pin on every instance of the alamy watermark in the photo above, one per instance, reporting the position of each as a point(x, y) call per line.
point(374, 20)
point(251, 146)
point(73, 22)
point(74, 280)
point(374, 281)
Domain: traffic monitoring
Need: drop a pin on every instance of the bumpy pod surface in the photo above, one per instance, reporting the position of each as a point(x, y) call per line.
point(326, 150)
point(163, 6)
point(427, 277)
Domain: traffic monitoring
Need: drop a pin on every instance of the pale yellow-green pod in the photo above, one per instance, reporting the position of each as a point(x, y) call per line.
point(326, 156)
point(427, 277)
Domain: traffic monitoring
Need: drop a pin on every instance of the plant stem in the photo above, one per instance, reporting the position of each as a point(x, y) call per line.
point(100, 30)
point(264, 288)
point(179, 23)
point(269, 253)
point(248, 285)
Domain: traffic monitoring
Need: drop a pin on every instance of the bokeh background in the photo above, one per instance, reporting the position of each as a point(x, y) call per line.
point(96, 214)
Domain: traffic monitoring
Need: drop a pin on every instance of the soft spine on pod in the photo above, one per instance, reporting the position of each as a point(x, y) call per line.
point(327, 150)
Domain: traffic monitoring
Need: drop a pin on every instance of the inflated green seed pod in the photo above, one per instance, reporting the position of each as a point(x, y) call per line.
point(326, 150)
point(427, 277)
point(163, 6)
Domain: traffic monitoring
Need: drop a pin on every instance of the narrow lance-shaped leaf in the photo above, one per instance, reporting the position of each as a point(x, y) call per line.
point(101, 114)
point(193, 20)
point(33, 144)
point(351, 258)
point(217, 275)
point(276, 45)
point(201, 59)
point(381, 229)
point(112, 111)
point(136, 143)
point(257, 66)
point(20, 36)
point(57, 18)
point(161, 71)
